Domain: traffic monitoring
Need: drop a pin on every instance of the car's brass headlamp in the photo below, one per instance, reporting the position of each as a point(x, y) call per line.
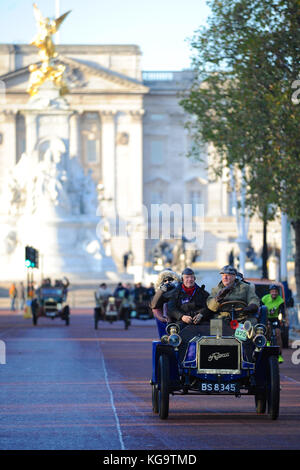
point(260, 329)
point(172, 336)
point(260, 341)
point(249, 328)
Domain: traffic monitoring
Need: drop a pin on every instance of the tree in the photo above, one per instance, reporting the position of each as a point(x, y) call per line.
point(245, 62)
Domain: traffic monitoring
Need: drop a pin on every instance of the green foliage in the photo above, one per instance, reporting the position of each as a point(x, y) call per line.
point(245, 62)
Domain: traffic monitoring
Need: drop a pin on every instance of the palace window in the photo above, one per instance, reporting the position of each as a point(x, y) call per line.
point(195, 199)
point(157, 152)
point(90, 131)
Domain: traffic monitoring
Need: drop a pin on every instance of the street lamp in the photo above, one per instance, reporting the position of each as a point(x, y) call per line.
point(241, 218)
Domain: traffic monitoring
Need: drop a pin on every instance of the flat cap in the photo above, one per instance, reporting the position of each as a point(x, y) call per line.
point(188, 271)
point(228, 270)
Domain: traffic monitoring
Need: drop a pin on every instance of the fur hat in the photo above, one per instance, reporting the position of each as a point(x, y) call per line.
point(164, 275)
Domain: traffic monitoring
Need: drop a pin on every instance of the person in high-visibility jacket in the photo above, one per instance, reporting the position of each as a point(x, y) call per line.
point(275, 305)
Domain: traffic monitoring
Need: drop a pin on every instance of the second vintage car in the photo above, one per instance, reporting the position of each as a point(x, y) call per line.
point(50, 303)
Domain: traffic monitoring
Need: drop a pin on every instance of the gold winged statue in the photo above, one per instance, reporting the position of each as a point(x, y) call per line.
point(47, 53)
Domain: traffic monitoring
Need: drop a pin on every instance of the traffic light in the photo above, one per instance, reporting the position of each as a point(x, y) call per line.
point(28, 256)
point(35, 260)
point(31, 257)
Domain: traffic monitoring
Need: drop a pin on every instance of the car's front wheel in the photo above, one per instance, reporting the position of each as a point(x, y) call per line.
point(273, 385)
point(155, 407)
point(66, 314)
point(164, 379)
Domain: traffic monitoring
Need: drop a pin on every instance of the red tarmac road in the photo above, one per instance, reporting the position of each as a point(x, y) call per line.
point(77, 388)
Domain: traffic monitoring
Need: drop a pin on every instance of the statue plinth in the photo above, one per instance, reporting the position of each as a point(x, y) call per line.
point(51, 202)
point(48, 98)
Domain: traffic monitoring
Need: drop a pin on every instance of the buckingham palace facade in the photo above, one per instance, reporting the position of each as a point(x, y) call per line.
point(127, 128)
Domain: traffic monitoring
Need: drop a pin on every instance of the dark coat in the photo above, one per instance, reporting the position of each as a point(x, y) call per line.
point(182, 304)
point(162, 296)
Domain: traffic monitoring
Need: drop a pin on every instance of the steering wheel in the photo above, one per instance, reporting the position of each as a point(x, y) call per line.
point(237, 305)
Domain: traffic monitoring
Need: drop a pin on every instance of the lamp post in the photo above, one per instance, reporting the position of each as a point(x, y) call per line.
point(283, 253)
point(241, 218)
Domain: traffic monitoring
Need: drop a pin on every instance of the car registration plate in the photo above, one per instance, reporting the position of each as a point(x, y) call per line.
point(208, 387)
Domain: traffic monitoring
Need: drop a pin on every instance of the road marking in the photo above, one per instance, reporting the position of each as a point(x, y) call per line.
point(112, 400)
point(290, 379)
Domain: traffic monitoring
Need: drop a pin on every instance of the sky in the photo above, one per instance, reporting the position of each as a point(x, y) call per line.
point(161, 28)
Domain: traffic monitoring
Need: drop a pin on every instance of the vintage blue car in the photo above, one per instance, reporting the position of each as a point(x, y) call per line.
point(217, 364)
point(50, 303)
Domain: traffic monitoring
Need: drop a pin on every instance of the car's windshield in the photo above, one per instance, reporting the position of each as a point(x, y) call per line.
point(51, 292)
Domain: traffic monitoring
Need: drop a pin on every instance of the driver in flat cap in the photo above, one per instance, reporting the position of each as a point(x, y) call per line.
point(231, 288)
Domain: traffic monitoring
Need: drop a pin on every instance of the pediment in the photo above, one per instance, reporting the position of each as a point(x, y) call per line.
point(195, 180)
point(80, 76)
point(159, 181)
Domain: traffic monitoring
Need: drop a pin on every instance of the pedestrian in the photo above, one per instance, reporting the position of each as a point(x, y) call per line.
point(151, 290)
point(13, 294)
point(231, 258)
point(22, 296)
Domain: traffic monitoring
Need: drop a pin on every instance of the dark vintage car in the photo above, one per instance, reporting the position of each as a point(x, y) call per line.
point(50, 303)
point(262, 287)
point(106, 309)
point(217, 364)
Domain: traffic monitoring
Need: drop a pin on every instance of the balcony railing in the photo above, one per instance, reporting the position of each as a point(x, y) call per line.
point(158, 76)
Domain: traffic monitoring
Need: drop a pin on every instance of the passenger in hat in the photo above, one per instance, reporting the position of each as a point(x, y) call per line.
point(187, 307)
point(188, 304)
point(165, 286)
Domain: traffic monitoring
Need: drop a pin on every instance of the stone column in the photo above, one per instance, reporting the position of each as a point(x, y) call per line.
point(31, 132)
point(74, 135)
point(136, 161)
point(135, 183)
point(108, 152)
point(10, 139)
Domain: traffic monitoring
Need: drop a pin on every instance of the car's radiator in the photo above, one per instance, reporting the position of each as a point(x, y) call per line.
point(218, 356)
